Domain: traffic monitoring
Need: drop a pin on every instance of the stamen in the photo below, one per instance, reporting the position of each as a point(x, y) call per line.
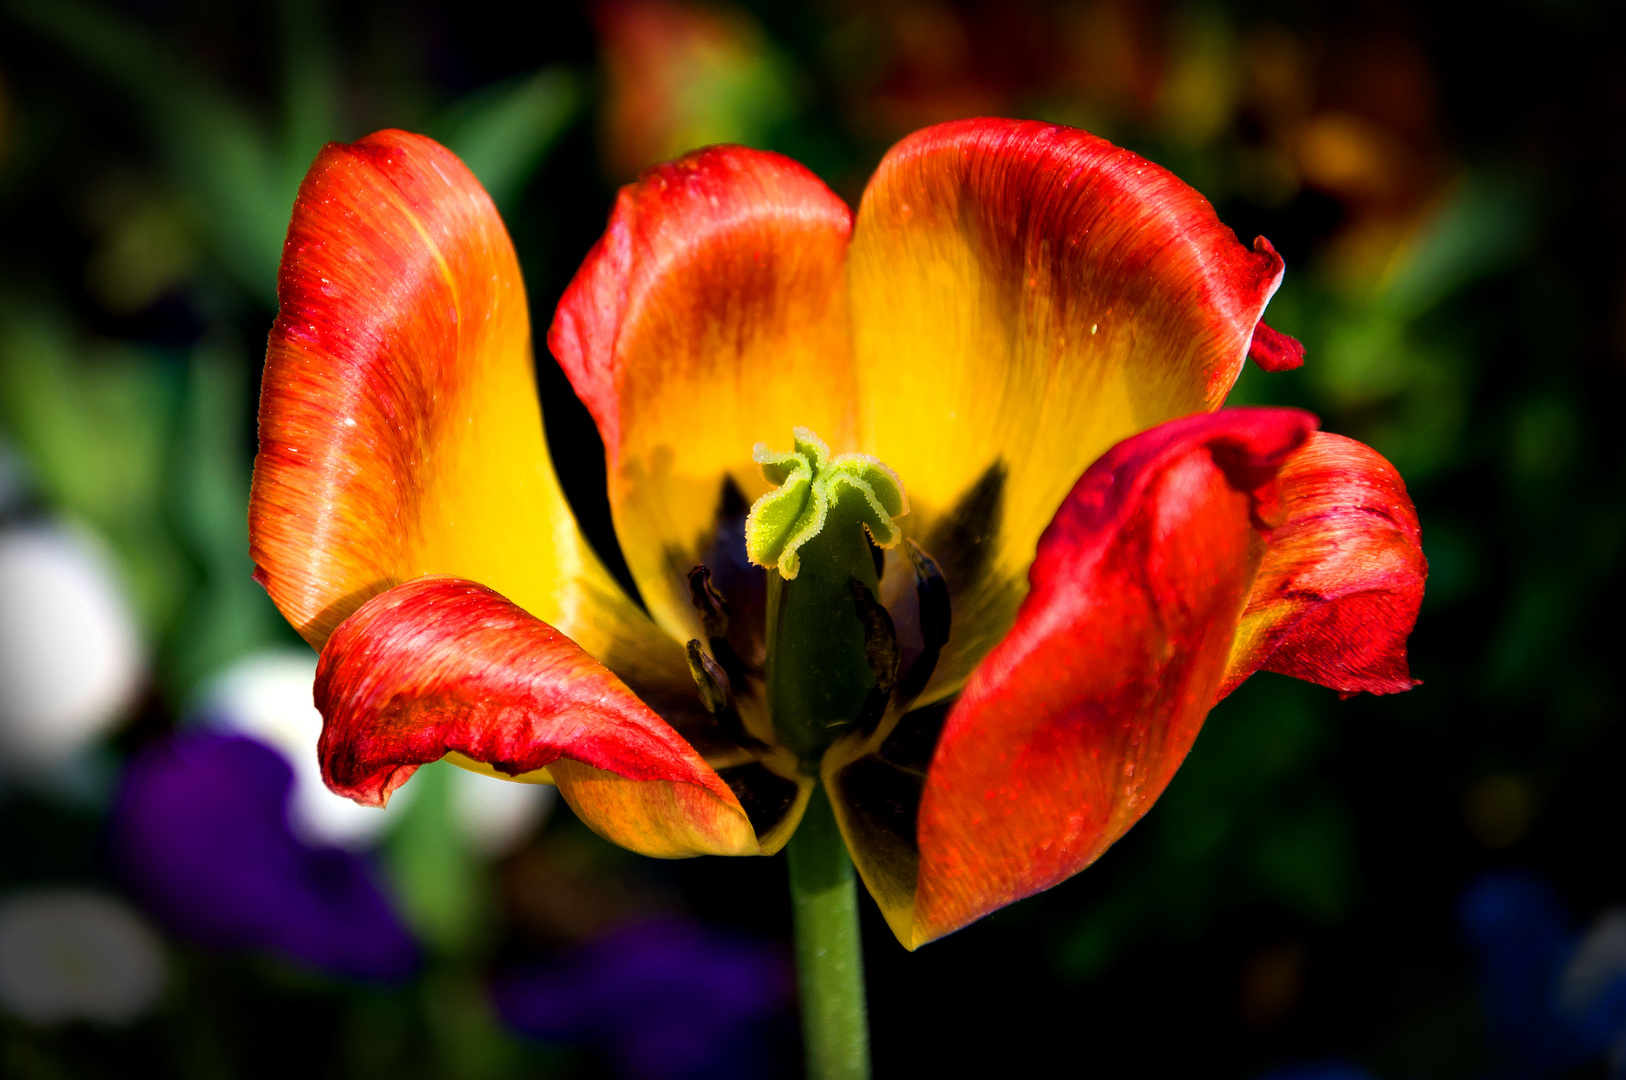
point(712, 607)
point(880, 652)
point(710, 679)
point(717, 695)
point(708, 602)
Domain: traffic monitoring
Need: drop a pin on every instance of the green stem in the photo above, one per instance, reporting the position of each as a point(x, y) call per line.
point(829, 959)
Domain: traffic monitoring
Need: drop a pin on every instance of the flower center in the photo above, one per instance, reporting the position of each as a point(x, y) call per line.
point(832, 655)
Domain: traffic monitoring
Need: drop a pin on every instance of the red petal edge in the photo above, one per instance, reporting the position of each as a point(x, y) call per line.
point(441, 664)
point(1074, 724)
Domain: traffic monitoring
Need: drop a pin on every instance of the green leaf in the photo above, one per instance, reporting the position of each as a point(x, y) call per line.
point(95, 431)
point(239, 186)
point(503, 131)
point(1482, 227)
point(441, 883)
point(227, 615)
point(310, 89)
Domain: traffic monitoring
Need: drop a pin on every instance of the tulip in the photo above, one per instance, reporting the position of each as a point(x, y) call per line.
point(965, 627)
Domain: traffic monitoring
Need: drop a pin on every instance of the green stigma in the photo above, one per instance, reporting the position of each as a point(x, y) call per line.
point(832, 653)
point(815, 489)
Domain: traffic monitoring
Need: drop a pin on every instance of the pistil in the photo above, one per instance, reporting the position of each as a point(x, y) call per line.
point(832, 653)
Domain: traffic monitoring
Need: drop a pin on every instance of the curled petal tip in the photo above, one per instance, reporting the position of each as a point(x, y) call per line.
point(441, 665)
point(1273, 350)
point(1342, 579)
point(1072, 726)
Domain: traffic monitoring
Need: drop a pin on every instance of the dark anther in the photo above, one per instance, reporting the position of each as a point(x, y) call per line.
point(717, 695)
point(710, 679)
point(880, 651)
point(708, 602)
point(931, 593)
point(712, 608)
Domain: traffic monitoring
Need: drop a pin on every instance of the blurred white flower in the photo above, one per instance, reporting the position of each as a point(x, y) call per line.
point(70, 653)
point(74, 954)
point(495, 815)
point(267, 695)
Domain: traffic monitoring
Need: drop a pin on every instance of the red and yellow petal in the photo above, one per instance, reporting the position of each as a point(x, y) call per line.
point(1072, 727)
point(440, 665)
point(400, 433)
point(1023, 297)
point(711, 315)
point(1342, 579)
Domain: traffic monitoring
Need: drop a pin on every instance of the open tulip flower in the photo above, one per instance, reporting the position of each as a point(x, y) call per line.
point(939, 528)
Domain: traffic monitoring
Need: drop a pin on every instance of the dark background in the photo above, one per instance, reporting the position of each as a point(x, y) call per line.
point(1445, 182)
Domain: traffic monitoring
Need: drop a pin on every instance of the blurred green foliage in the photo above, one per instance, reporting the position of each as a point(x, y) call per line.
point(96, 432)
point(238, 171)
point(437, 877)
point(1250, 821)
point(148, 444)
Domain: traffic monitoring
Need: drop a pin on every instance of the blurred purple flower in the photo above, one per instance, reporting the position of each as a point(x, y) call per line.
point(1327, 1070)
point(664, 1000)
point(1552, 998)
point(200, 835)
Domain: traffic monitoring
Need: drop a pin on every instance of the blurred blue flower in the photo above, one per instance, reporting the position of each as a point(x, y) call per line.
point(200, 835)
point(665, 1000)
point(1552, 998)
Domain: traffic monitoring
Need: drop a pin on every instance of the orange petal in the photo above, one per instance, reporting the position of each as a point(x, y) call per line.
point(1073, 726)
point(1024, 296)
point(710, 316)
point(1342, 581)
point(400, 433)
point(440, 665)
